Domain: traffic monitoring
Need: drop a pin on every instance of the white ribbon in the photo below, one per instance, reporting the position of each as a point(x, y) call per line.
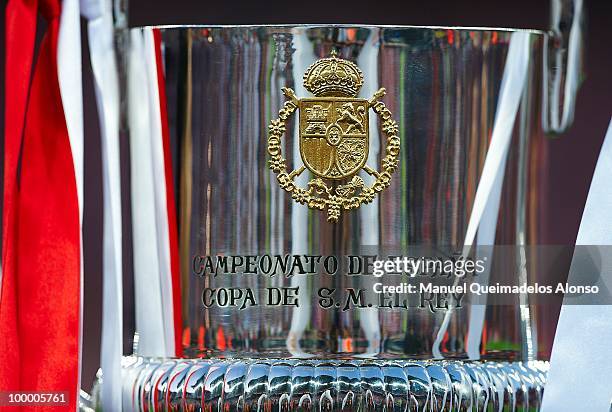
point(106, 83)
point(580, 364)
point(156, 149)
point(486, 200)
point(71, 92)
point(485, 237)
point(513, 84)
point(152, 282)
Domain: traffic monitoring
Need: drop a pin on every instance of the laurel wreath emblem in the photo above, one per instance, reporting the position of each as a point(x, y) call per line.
point(318, 194)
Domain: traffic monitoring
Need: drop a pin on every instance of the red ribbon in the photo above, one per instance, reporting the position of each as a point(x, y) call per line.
point(40, 297)
point(170, 205)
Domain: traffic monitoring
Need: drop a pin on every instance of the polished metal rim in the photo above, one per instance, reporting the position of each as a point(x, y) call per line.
point(342, 26)
point(331, 385)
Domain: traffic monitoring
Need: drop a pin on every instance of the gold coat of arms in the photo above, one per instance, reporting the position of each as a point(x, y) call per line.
point(334, 139)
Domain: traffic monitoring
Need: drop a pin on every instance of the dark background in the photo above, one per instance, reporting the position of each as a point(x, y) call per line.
point(572, 158)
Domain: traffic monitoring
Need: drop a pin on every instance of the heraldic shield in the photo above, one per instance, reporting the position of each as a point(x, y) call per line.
point(334, 135)
point(334, 139)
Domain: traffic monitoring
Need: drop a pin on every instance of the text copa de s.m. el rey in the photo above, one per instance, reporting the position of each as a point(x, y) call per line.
point(325, 296)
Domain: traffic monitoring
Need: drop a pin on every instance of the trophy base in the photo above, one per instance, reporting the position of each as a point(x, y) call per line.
point(328, 385)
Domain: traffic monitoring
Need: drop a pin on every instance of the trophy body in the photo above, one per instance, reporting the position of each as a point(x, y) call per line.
point(294, 173)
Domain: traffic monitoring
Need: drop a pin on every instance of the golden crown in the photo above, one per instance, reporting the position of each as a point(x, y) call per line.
point(333, 76)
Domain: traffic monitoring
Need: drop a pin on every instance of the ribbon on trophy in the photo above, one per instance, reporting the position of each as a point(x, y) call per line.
point(156, 264)
point(100, 32)
point(580, 357)
point(43, 186)
point(483, 218)
point(157, 307)
point(44, 166)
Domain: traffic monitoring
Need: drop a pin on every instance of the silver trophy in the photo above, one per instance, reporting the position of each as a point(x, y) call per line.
point(306, 154)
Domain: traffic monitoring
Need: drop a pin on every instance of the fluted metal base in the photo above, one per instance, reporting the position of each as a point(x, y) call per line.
point(329, 385)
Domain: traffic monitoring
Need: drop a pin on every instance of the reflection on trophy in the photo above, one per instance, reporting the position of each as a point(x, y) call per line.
point(344, 176)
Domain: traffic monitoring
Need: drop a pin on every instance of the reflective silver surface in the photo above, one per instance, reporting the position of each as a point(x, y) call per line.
point(307, 385)
point(224, 86)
